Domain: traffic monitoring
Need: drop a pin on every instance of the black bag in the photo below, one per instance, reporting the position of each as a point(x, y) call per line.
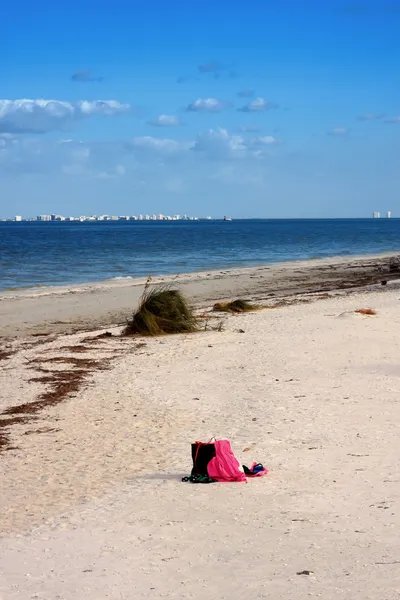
point(201, 455)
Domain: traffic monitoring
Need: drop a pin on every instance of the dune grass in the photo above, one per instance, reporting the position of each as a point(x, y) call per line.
point(162, 311)
point(237, 306)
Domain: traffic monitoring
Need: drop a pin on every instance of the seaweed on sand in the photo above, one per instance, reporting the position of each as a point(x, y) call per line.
point(237, 306)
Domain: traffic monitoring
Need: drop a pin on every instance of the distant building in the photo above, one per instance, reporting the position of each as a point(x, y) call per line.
point(376, 215)
point(18, 218)
point(388, 214)
point(43, 218)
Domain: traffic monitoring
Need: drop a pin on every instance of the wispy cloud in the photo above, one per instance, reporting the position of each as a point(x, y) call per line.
point(219, 144)
point(393, 120)
point(258, 105)
point(186, 78)
point(218, 69)
point(165, 121)
point(339, 131)
point(210, 67)
point(265, 140)
point(164, 146)
point(370, 117)
point(85, 77)
point(42, 116)
point(246, 93)
point(207, 105)
point(248, 129)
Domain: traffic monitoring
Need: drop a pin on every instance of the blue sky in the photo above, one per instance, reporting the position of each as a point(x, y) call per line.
point(275, 109)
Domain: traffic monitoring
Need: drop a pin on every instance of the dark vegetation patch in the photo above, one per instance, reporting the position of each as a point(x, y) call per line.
point(162, 311)
point(236, 306)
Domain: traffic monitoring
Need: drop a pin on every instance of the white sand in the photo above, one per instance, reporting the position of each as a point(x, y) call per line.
point(97, 510)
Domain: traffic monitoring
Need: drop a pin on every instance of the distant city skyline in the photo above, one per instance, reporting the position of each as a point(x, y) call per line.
point(155, 217)
point(290, 109)
point(141, 217)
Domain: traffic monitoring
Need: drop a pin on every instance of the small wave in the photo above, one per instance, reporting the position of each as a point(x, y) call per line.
point(122, 277)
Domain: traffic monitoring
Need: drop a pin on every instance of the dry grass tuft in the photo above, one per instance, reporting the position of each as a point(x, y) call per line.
point(237, 306)
point(161, 311)
point(366, 311)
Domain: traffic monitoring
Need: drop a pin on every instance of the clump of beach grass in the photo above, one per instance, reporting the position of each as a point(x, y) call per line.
point(236, 306)
point(162, 311)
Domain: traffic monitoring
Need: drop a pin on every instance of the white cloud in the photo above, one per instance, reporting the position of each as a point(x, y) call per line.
point(339, 131)
point(258, 105)
point(206, 105)
point(145, 158)
point(165, 121)
point(42, 116)
point(220, 144)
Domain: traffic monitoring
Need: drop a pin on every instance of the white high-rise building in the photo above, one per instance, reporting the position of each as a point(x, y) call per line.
point(388, 214)
point(17, 218)
point(376, 215)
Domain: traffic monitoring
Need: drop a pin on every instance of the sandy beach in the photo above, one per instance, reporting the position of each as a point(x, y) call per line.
point(91, 495)
point(66, 309)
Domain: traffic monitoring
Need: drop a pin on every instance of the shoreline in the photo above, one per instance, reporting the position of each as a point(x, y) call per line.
point(68, 309)
point(128, 280)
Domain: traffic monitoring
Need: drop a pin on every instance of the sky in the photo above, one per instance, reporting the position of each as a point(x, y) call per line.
point(275, 108)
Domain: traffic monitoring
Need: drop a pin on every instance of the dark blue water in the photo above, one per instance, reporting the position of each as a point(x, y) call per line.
point(34, 254)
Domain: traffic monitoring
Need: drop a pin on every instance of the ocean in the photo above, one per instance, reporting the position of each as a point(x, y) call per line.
point(45, 254)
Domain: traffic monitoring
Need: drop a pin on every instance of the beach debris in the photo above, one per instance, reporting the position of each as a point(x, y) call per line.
point(219, 327)
point(85, 363)
point(42, 430)
point(236, 306)
point(241, 331)
point(366, 311)
point(305, 572)
point(394, 264)
point(40, 334)
point(77, 348)
point(162, 311)
point(5, 353)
